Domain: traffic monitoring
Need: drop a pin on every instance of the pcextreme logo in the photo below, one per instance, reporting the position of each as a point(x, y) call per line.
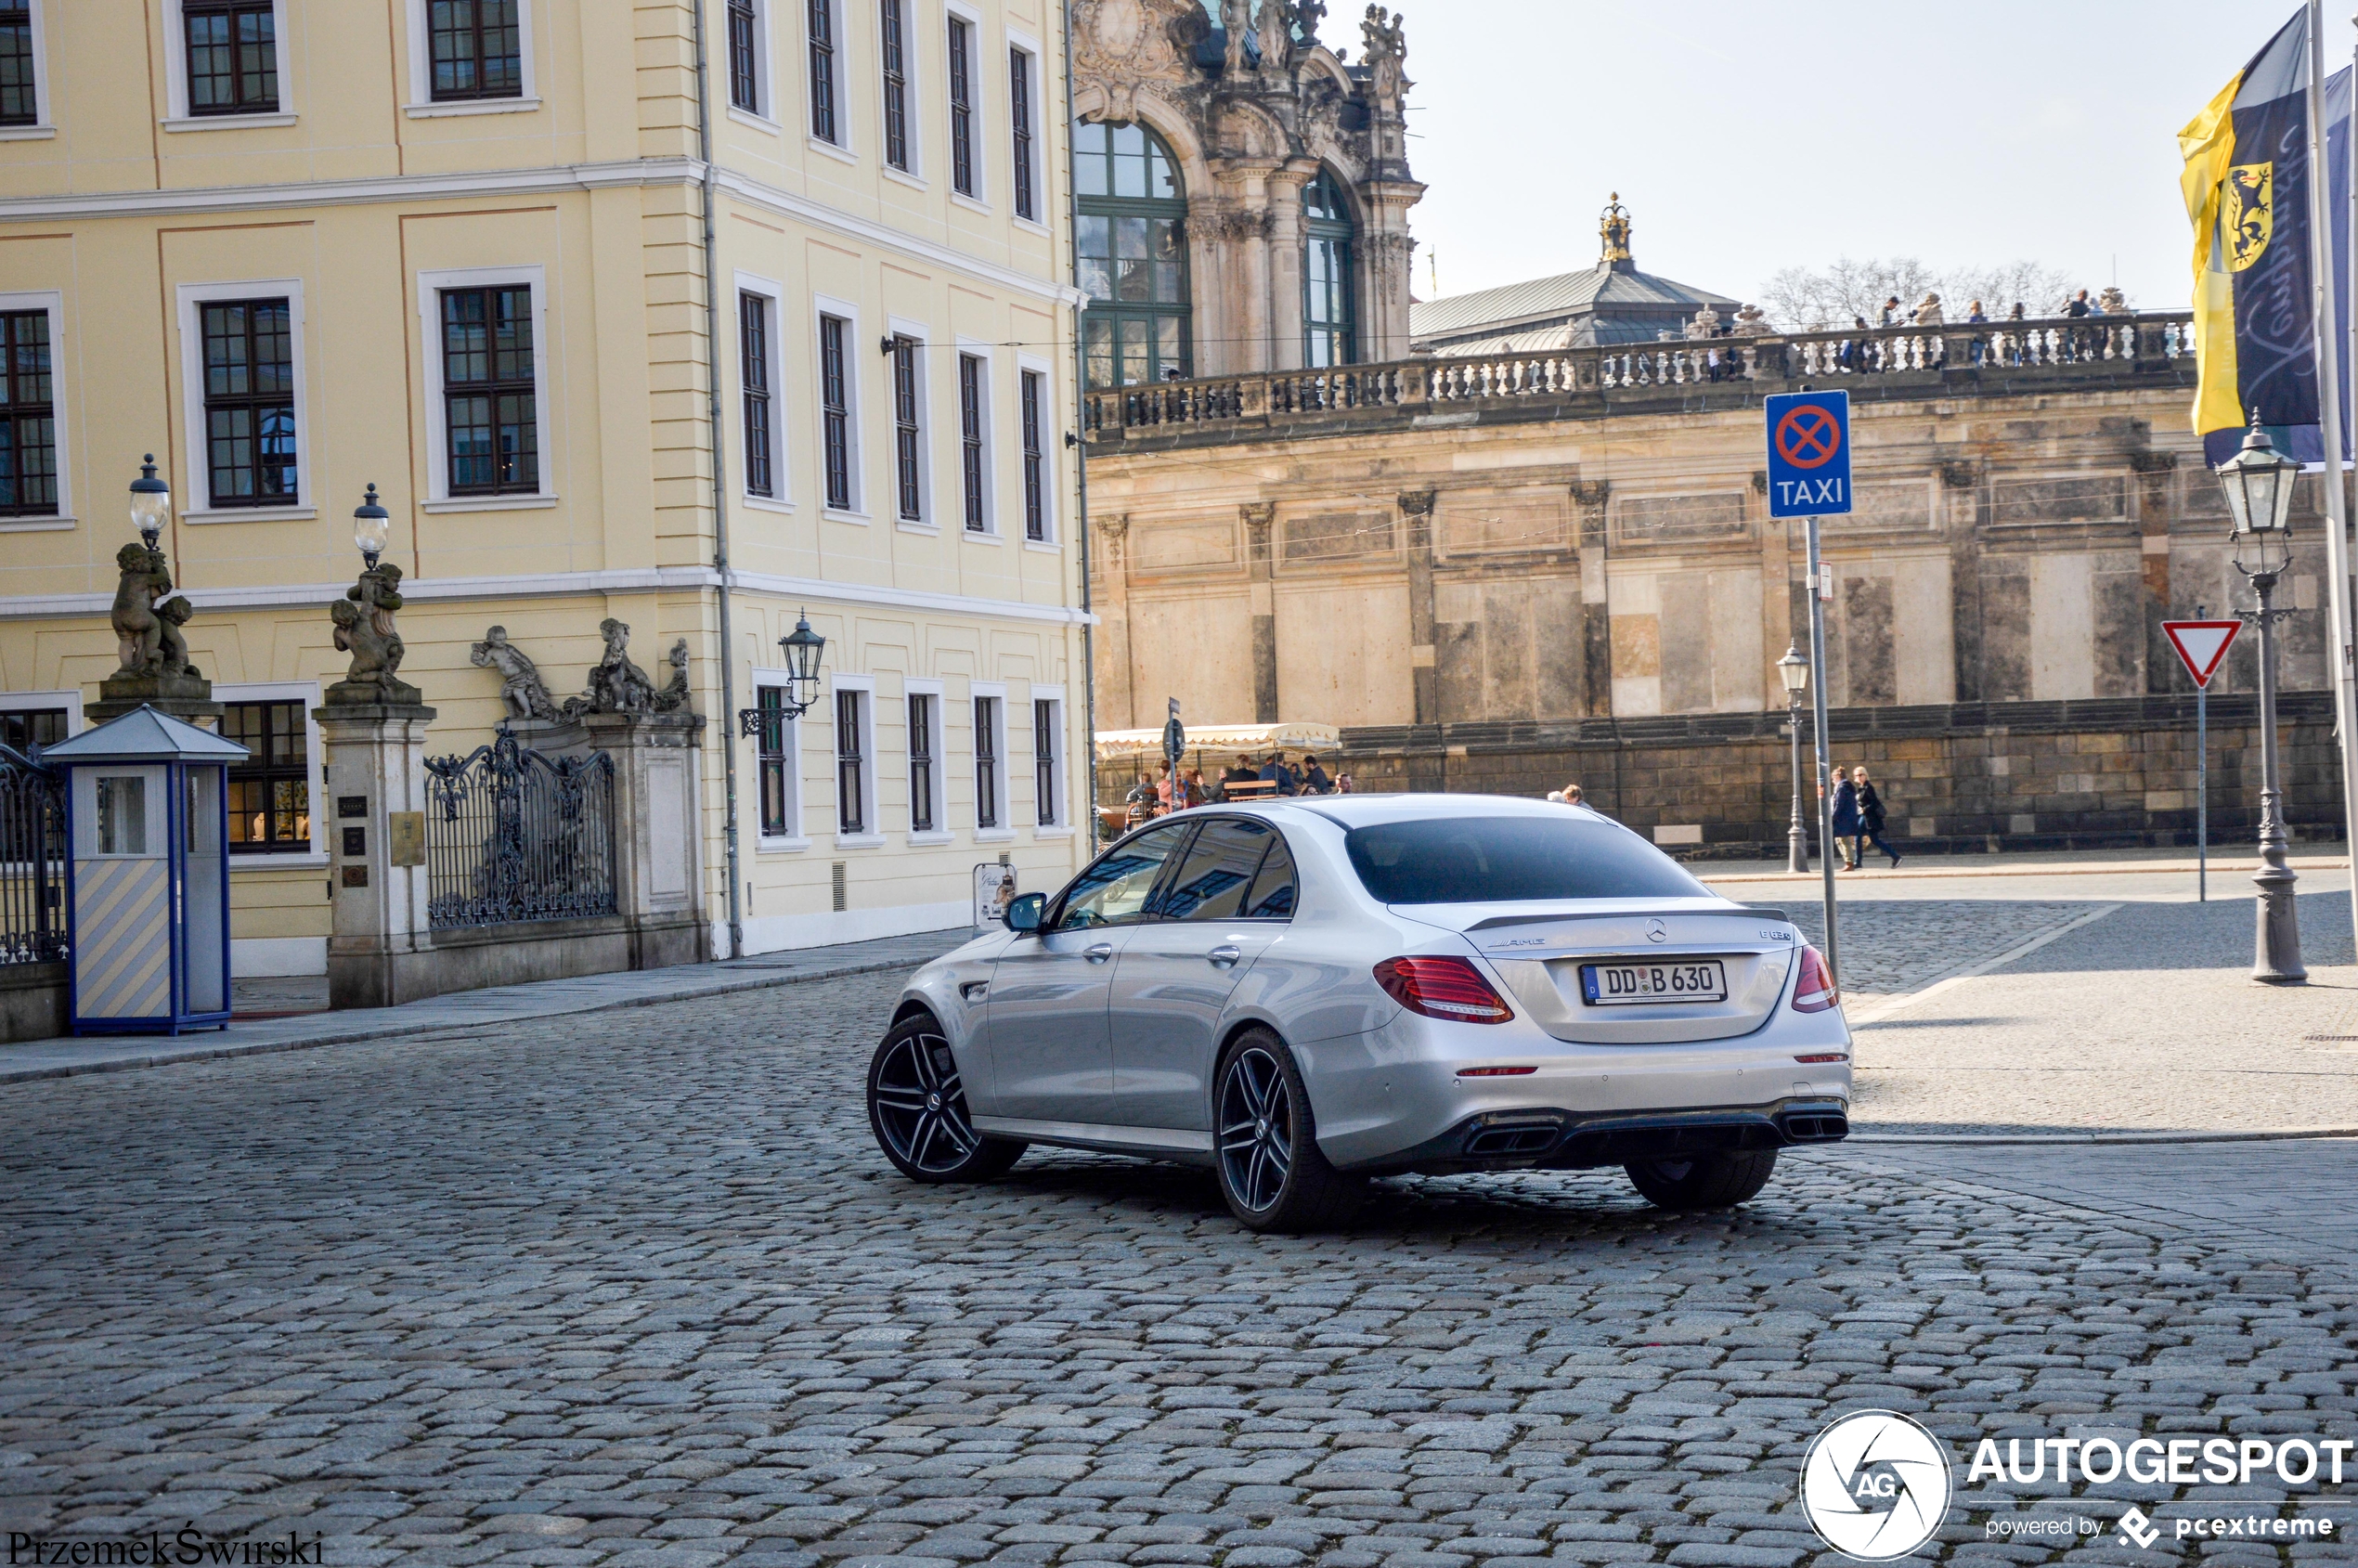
point(1875, 1485)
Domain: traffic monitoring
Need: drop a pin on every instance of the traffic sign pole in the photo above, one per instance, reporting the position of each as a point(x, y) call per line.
point(2201, 644)
point(1825, 754)
point(2202, 793)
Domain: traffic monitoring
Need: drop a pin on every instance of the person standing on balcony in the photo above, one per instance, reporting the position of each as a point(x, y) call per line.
point(1975, 314)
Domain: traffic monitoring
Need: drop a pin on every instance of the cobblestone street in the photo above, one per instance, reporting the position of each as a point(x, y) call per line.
point(636, 1288)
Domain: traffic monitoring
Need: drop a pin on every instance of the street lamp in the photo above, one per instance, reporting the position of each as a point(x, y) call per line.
point(1794, 671)
point(150, 502)
point(2259, 482)
point(370, 524)
point(802, 647)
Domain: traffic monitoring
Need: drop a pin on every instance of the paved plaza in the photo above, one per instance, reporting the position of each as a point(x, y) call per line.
point(635, 1287)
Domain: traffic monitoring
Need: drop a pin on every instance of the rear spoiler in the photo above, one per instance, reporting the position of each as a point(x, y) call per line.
point(1757, 910)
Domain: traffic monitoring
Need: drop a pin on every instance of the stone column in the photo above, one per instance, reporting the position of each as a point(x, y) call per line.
point(381, 949)
point(1596, 629)
point(1116, 673)
point(1284, 249)
point(658, 849)
point(1260, 518)
point(1416, 512)
point(2154, 470)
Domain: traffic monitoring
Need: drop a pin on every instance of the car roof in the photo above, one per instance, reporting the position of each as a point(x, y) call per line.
point(1366, 810)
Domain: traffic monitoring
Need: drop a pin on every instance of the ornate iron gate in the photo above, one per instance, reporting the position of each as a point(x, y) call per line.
point(511, 836)
point(33, 861)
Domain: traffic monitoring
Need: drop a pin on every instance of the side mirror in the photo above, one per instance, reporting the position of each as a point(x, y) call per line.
point(1025, 912)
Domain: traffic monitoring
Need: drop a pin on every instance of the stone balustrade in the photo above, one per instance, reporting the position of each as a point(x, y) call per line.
point(1993, 356)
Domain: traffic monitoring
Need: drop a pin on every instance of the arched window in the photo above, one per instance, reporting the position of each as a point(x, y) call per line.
point(1328, 326)
point(1133, 256)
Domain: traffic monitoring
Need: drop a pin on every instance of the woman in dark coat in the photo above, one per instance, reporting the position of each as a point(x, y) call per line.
point(1871, 820)
point(1846, 823)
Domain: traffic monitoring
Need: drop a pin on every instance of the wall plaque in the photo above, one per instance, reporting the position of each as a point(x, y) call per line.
point(405, 838)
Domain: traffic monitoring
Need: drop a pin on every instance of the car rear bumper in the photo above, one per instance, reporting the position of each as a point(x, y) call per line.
point(1548, 1139)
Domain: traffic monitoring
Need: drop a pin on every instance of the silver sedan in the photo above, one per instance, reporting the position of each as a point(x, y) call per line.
point(1302, 994)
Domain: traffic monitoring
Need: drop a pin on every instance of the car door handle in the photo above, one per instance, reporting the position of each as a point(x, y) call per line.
point(1223, 957)
point(1099, 953)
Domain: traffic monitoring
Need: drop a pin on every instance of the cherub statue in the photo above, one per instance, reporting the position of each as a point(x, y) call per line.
point(519, 684)
point(365, 629)
point(175, 613)
point(674, 696)
point(1385, 36)
point(617, 685)
point(138, 632)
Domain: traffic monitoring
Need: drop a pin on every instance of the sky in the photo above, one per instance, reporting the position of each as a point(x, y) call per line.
point(1747, 137)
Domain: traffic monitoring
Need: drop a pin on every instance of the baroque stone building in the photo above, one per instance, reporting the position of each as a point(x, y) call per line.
point(1508, 567)
point(1243, 191)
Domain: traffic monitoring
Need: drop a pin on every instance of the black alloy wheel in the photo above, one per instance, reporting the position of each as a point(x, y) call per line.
point(1272, 1172)
point(917, 1109)
point(1708, 1181)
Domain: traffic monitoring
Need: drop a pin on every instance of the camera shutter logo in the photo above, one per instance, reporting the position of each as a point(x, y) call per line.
point(1875, 1485)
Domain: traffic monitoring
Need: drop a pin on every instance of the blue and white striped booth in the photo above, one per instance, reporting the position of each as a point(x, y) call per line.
point(146, 874)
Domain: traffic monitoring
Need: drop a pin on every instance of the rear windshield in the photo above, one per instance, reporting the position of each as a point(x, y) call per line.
point(1504, 860)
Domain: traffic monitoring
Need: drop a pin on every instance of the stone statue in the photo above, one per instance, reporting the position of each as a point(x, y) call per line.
point(1308, 14)
point(1928, 310)
point(2112, 301)
point(617, 685)
point(365, 629)
point(138, 632)
point(175, 613)
point(1613, 228)
point(1705, 324)
point(1277, 34)
point(519, 684)
point(1386, 51)
point(674, 696)
point(1236, 19)
point(1752, 322)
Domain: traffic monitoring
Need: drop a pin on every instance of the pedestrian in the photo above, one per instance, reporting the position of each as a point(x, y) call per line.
point(1313, 778)
point(1871, 820)
point(1845, 822)
point(2079, 310)
point(1975, 315)
point(1275, 771)
point(1890, 316)
point(1343, 784)
point(1239, 771)
point(1139, 804)
point(1199, 793)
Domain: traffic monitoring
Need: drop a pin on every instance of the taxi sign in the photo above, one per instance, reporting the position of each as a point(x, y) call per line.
point(1808, 454)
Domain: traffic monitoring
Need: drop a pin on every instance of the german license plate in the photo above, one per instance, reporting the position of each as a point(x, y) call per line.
point(1691, 979)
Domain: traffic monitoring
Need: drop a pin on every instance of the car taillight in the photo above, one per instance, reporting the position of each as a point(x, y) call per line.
point(1814, 993)
point(1443, 988)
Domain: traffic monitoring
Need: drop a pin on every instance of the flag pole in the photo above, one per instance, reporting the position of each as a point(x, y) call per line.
point(2321, 258)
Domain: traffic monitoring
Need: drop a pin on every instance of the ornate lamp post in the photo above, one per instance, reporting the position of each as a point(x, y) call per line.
point(150, 502)
point(802, 647)
point(2259, 482)
point(370, 524)
point(1794, 671)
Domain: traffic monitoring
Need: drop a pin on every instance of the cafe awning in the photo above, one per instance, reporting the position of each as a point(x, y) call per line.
point(1116, 745)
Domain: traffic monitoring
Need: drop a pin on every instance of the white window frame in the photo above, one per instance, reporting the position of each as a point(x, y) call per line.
point(917, 686)
point(763, 115)
point(978, 78)
point(797, 836)
point(1060, 771)
point(913, 94)
point(976, 349)
point(192, 297)
point(45, 123)
point(430, 286)
point(781, 476)
point(855, 355)
point(863, 687)
point(175, 57)
point(34, 702)
point(841, 147)
point(53, 301)
point(1006, 831)
point(928, 500)
point(1050, 449)
point(1028, 46)
point(315, 759)
point(422, 105)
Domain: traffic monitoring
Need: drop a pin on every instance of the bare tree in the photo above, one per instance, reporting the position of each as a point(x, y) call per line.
point(1819, 299)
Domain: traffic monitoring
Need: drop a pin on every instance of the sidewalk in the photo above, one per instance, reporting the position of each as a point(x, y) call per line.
point(67, 1057)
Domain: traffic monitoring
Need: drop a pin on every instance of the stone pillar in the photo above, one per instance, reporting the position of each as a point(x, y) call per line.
point(1284, 247)
point(381, 949)
point(658, 849)
point(1117, 672)
point(1596, 629)
point(1260, 518)
point(1416, 514)
point(2155, 472)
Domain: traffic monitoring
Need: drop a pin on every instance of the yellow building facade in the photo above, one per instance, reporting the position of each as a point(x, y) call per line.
point(473, 251)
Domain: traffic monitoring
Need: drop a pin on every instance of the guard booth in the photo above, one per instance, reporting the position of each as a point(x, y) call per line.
point(147, 873)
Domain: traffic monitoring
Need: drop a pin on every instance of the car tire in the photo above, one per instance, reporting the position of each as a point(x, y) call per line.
point(1266, 1144)
point(917, 1109)
point(1708, 1181)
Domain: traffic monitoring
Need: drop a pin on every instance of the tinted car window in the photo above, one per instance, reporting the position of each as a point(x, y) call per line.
point(1502, 859)
point(1212, 882)
point(1273, 890)
point(1114, 889)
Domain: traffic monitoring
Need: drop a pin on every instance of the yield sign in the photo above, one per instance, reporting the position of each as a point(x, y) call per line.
point(2201, 644)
